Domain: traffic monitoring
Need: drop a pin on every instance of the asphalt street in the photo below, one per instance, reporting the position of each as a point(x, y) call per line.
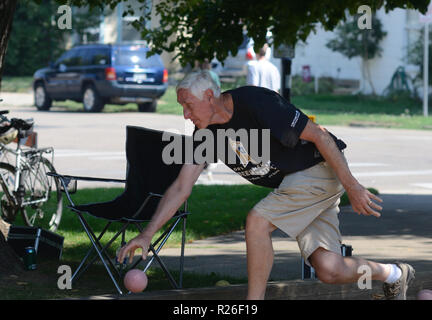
point(390, 160)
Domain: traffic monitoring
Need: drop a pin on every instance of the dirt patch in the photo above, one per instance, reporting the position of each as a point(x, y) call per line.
point(42, 283)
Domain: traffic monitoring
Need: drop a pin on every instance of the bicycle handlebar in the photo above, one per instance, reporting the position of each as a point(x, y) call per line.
point(16, 123)
point(21, 124)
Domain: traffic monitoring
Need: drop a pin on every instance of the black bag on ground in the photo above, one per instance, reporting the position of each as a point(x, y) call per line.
point(46, 243)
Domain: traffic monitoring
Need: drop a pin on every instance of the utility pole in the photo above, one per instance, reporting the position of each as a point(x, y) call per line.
point(426, 71)
point(285, 77)
point(286, 54)
point(426, 19)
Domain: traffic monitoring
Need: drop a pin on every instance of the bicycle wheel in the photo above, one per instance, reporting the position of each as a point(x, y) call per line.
point(42, 204)
point(8, 211)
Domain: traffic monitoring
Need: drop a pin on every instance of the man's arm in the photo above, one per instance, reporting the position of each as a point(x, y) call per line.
point(173, 198)
point(360, 198)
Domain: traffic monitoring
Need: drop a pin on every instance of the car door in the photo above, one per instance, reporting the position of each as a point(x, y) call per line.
point(71, 74)
point(55, 84)
point(97, 59)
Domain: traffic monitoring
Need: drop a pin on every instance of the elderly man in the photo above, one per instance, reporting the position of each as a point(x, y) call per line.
point(307, 171)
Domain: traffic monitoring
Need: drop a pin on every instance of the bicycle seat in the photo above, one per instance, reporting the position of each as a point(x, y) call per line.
point(21, 124)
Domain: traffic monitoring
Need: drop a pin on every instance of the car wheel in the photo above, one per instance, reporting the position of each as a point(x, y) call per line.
point(42, 100)
point(92, 102)
point(147, 106)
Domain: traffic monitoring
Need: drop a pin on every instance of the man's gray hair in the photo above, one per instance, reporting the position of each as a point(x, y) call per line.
point(198, 82)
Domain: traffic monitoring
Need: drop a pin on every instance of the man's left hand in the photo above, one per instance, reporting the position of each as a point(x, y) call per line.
point(361, 200)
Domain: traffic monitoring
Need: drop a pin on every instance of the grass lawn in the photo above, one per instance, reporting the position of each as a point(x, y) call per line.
point(364, 110)
point(16, 84)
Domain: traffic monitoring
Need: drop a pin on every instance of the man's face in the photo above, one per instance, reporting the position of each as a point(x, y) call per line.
point(198, 111)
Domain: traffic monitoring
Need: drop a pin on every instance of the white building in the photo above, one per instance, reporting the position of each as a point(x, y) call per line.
point(403, 29)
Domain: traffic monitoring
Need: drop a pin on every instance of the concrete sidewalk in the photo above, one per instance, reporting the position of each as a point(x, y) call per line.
point(16, 99)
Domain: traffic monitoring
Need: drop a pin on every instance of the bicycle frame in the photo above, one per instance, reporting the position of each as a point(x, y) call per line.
point(22, 161)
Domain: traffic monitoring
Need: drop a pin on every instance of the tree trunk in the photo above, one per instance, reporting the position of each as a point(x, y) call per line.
point(365, 58)
point(369, 77)
point(9, 261)
point(7, 10)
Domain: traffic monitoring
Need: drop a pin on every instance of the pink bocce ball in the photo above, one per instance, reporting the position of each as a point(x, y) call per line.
point(135, 280)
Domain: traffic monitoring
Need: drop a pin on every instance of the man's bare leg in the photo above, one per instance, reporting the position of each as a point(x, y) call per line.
point(259, 254)
point(333, 268)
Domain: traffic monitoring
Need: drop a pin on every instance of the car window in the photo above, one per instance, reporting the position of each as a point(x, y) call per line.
point(64, 57)
point(97, 56)
point(101, 57)
point(127, 57)
point(72, 58)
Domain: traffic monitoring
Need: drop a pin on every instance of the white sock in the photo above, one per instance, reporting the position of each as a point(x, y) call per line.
point(395, 274)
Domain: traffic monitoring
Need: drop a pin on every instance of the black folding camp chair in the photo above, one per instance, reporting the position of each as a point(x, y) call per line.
point(147, 178)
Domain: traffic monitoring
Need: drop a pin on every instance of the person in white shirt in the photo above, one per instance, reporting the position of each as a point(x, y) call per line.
point(263, 73)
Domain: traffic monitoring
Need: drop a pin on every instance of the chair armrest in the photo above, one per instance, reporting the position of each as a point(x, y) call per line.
point(67, 177)
point(68, 184)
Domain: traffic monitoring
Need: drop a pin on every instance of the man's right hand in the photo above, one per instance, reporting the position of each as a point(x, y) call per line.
point(139, 241)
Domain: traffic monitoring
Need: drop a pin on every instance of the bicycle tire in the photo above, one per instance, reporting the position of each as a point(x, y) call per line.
point(7, 211)
point(46, 214)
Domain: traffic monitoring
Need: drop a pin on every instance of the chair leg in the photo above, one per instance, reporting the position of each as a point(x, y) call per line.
point(164, 268)
point(92, 238)
point(167, 233)
point(77, 272)
point(182, 252)
point(122, 231)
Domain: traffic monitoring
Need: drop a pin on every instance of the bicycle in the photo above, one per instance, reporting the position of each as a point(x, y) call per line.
point(27, 189)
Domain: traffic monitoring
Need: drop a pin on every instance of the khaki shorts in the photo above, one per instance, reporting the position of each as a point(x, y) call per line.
point(305, 206)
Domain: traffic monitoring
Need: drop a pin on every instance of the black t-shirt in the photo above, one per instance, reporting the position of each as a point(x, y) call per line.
point(264, 124)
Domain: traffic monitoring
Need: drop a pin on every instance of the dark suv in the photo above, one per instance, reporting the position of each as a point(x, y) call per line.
point(102, 73)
